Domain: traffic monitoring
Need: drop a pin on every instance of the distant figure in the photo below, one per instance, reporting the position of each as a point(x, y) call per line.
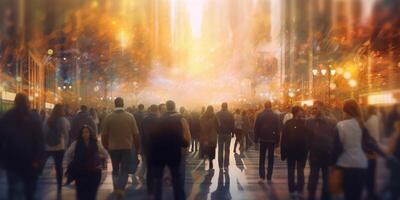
point(393, 163)
point(121, 138)
point(22, 142)
point(209, 134)
point(225, 133)
point(95, 117)
point(321, 144)
point(150, 127)
point(238, 131)
point(266, 131)
point(195, 130)
point(294, 149)
point(43, 115)
point(139, 115)
point(56, 129)
point(85, 156)
point(166, 150)
point(78, 121)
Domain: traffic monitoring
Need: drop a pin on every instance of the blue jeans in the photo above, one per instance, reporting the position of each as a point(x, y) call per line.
point(224, 143)
point(121, 161)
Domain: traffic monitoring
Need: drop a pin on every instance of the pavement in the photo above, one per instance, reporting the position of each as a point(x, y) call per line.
point(239, 182)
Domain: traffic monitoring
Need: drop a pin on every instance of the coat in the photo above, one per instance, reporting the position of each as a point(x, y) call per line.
point(267, 127)
point(209, 127)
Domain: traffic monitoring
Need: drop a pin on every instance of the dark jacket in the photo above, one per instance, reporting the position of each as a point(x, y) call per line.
point(150, 129)
point(22, 143)
point(209, 126)
point(267, 127)
point(81, 119)
point(194, 124)
point(295, 140)
point(167, 143)
point(226, 122)
point(321, 139)
point(139, 116)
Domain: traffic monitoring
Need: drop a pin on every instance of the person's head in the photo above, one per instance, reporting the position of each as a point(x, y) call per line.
point(244, 113)
point(210, 110)
point(182, 110)
point(153, 108)
point(237, 111)
point(119, 102)
point(93, 112)
point(318, 108)
point(371, 110)
point(58, 111)
point(352, 110)
point(84, 108)
point(170, 106)
point(162, 108)
point(21, 103)
point(141, 107)
point(224, 106)
point(298, 112)
point(86, 134)
point(268, 105)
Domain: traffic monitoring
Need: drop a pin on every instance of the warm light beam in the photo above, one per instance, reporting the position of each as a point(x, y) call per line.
point(195, 10)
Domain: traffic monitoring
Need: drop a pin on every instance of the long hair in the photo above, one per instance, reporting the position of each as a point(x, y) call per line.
point(209, 113)
point(56, 114)
point(82, 150)
point(351, 108)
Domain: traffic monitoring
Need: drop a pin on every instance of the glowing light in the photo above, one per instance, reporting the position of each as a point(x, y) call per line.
point(333, 72)
point(291, 94)
point(315, 72)
point(347, 75)
point(36, 94)
point(19, 79)
point(383, 98)
point(352, 83)
point(50, 52)
point(195, 10)
point(323, 71)
point(308, 102)
point(123, 39)
point(333, 86)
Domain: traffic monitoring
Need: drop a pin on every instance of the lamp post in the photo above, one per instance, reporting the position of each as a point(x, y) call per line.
point(330, 73)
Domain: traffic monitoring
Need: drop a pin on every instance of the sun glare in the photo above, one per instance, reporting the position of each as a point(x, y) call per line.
point(195, 10)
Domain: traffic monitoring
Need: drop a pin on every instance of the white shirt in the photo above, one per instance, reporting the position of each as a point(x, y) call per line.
point(350, 135)
point(372, 125)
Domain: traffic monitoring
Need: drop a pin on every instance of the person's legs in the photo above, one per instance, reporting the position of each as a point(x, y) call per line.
point(178, 185)
point(15, 186)
point(220, 151)
point(116, 157)
point(227, 149)
point(95, 179)
point(313, 181)
point(261, 163)
point(370, 179)
point(300, 164)
point(271, 154)
point(290, 167)
point(325, 182)
point(158, 172)
point(126, 161)
point(353, 183)
point(58, 157)
point(30, 187)
point(236, 141)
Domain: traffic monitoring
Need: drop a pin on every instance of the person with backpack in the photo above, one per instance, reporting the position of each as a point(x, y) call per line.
point(56, 129)
point(294, 149)
point(85, 158)
point(320, 147)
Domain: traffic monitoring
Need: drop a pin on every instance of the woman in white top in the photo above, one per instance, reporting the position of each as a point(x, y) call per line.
point(56, 129)
point(352, 159)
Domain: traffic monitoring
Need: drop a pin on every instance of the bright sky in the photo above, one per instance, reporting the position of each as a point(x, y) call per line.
point(195, 10)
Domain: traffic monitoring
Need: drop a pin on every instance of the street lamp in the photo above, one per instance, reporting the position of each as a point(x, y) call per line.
point(315, 72)
point(352, 84)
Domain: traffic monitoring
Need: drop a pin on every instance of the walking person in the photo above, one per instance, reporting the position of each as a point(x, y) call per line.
point(121, 136)
point(294, 148)
point(22, 142)
point(78, 121)
point(95, 117)
point(373, 127)
point(209, 135)
point(247, 129)
point(150, 129)
point(166, 150)
point(139, 116)
point(393, 163)
point(225, 133)
point(85, 158)
point(352, 159)
point(195, 130)
point(267, 133)
point(56, 129)
point(238, 131)
point(321, 144)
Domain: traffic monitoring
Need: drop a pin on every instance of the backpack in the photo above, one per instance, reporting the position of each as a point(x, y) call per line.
point(53, 136)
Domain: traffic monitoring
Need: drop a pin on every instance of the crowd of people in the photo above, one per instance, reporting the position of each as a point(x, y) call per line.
point(340, 145)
